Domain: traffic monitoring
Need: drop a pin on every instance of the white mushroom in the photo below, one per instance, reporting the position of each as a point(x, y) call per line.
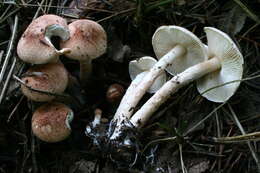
point(172, 45)
point(137, 70)
point(178, 47)
point(221, 45)
point(224, 65)
point(142, 67)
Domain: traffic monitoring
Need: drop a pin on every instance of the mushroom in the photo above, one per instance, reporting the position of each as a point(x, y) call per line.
point(172, 45)
point(178, 48)
point(35, 44)
point(215, 76)
point(114, 93)
point(87, 41)
point(142, 67)
point(49, 78)
point(51, 122)
point(138, 69)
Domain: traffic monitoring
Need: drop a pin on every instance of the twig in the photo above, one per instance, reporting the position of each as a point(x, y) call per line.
point(5, 12)
point(34, 161)
point(161, 3)
point(10, 48)
point(7, 80)
point(206, 153)
point(14, 110)
point(37, 90)
point(234, 162)
point(184, 170)
point(44, 7)
point(255, 136)
point(240, 80)
point(159, 140)
point(244, 133)
point(9, 14)
point(220, 147)
point(24, 3)
point(249, 40)
point(48, 9)
point(250, 14)
point(1, 56)
point(250, 29)
point(38, 10)
point(229, 159)
point(204, 119)
point(4, 42)
point(116, 14)
point(55, 6)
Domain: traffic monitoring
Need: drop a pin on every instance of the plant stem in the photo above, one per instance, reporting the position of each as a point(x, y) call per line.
point(85, 70)
point(134, 94)
point(156, 5)
point(170, 87)
point(131, 99)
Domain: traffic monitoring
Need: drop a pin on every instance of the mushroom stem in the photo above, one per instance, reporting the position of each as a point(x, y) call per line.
point(61, 32)
point(85, 70)
point(69, 119)
point(97, 118)
point(131, 89)
point(136, 90)
point(131, 98)
point(170, 87)
point(63, 51)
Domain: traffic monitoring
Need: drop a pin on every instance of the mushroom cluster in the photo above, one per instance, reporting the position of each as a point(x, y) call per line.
point(81, 40)
point(217, 69)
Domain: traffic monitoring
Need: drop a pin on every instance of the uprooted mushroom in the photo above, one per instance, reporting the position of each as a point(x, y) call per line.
point(218, 76)
point(173, 45)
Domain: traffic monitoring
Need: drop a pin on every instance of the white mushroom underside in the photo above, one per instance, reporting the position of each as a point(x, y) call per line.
point(221, 46)
point(167, 37)
point(141, 67)
point(172, 86)
point(57, 30)
point(69, 119)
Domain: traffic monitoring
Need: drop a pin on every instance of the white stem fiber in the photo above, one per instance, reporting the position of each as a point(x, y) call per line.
point(132, 97)
point(170, 87)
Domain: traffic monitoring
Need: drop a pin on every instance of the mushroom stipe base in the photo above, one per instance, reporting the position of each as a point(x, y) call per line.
point(125, 150)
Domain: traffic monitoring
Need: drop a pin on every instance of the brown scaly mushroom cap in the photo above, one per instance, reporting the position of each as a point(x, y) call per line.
point(35, 44)
point(50, 122)
point(88, 40)
point(51, 78)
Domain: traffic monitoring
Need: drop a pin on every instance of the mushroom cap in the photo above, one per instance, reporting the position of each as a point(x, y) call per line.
point(166, 38)
point(142, 67)
point(51, 78)
point(50, 122)
point(35, 46)
point(220, 45)
point(88, 40)
point(114, 93)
